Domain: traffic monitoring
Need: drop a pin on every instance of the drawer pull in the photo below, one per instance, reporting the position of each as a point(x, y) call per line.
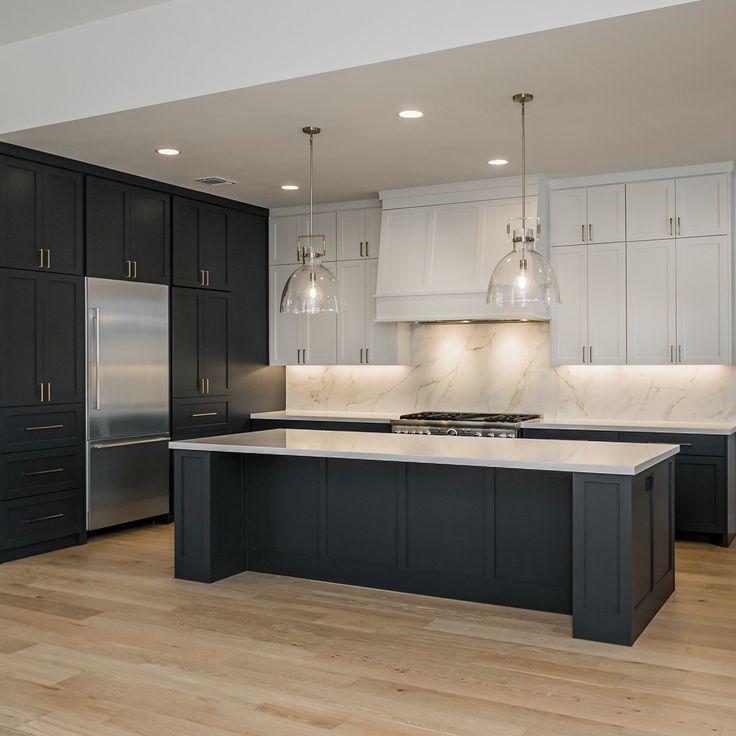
point(686, 444)
point(205, 414)
point(43, 472)
point(43, 426)
point(43, 518)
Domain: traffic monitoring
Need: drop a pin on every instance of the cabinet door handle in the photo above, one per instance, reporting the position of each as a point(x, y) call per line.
point(207, 382)
point(671, 226)
point(43, 472)
point(201, 278)
point(679, 229)
point(135, 269)
point(361, 356)
point(201, 385)
point(128, 269)
point(40, 258)
point(42, 392)
point(590, 353)
point(361, 249)
point(367, 255)
point(43, 426)
point(679, 353)
point(672, 353)
point(582, 232)
point(205, 414)
point(43, 518)
point(590, 233)
point(583, 353)
point(208, 278)
point(48, 391)
point(686, 444)
point(48, 257)
point(366, 356)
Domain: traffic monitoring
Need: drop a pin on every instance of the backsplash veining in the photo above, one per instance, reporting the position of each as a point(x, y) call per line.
point(505, 367)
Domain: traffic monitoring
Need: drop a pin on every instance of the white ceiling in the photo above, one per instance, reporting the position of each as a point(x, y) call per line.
point(23, 19)
point(640, 91)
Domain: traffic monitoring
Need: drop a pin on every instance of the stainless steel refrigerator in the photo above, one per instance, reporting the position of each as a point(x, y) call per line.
point(127, 402)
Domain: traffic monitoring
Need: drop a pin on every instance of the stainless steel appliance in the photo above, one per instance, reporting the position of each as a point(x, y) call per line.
point(463, 424)
point(127, 402)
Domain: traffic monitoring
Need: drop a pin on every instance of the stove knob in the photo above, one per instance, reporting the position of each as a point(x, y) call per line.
point(451, 431)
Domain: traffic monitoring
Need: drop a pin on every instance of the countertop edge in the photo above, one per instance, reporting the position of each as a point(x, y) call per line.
point(602, 425)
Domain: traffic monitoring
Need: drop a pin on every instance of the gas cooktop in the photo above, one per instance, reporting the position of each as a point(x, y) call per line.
point(469, 424)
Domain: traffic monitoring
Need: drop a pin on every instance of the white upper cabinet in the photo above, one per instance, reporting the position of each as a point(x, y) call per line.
point(589, 325)
point(588, 215)
point(607, 214)
point(319, 338)
point(650, 210)
point(405, 234)
point(285, 231)
point(351, 337)
point(569, 319)
point(372, 232)
point(702, 206)
point(703, 288)
point(607, 303)
point(651, 302)
point(387, 343)
point(568, 216)
point(358, 233)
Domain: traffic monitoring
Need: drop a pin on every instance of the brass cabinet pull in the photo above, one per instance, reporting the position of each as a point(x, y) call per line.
point(43, 472)
point(129, 267)
point(361, 249)
point(208, 277)
point(201, 278)
point(43, 518)
point(43, 426)
point(48, 257)
point(205, 414)
point(201, 385)
point(686, 444)
point(40, 258)
point(135, 269)
point(48, 391)
point(207, 384)
point(42, 392)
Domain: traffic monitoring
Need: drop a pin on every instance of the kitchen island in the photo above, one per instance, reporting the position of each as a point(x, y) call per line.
point(573, 527)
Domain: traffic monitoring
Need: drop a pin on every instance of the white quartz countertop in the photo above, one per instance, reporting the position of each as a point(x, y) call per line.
point(635, 425)
point(615, 458)
point(378, 417)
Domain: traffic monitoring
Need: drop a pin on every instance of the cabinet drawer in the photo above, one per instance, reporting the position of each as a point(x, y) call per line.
point(590, 435)
point(258, 424)
point(31, 473)
point(690, 444)
point(192, 418)
point(25, 521)
point(356, 426)
point(41, 428)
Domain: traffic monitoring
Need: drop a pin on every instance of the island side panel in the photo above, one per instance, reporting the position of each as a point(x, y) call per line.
point(623, 552)
point(210, 508)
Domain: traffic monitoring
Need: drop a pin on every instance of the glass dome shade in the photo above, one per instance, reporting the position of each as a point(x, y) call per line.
point(523, 277)
point(311, 289)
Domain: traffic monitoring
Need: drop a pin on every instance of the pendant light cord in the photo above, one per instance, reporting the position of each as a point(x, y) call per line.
point(311, 184)
point(523, 166)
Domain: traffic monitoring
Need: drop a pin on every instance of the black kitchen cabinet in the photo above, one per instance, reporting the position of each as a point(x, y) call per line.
point(41, 222)
point(585, 435)
point(41, 338)
point(258, 424)
point(128, 232)
point(200, 343)
point(202, 235)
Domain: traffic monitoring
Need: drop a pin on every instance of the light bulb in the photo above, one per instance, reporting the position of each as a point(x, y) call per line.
point(521, 282)
point(312, 292)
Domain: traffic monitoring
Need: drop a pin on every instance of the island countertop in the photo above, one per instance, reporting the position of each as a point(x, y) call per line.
point(621, 458)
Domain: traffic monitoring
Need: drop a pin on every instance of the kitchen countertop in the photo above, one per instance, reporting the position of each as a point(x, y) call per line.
point(379, 417)
point(525, 454)
point(637, 425)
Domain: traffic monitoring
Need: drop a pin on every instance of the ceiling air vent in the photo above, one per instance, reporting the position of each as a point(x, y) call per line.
point(214, 181)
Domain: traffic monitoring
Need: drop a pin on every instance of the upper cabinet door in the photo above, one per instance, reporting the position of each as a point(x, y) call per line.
point(214, 246)
point(351, 235)
point(186, 350)
point(185, 242)
point(406, 233)
point(21, 338)
point(372, 232)
point(702, 205)
point(63, 338)
point(215, 338)
point(651, 302)
point(607, 303)
point(283, 333)
point(351, 336)
point(21, 238)
point(150, 235)
point(569, 319)
point(568, 216)
point(325, 223)
point(283, 235)
point(607, 214)
point(319, 338)
point(650, 210)
point(63, 223)
point(108, 229)
point(703, 314)
point(383, 339)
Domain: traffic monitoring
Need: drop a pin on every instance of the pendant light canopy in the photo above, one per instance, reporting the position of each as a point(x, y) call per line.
point(312, 288)
point(523, 276)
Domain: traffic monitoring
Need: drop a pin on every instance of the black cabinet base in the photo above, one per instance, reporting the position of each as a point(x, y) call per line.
point(597, 546)
point(51, 545)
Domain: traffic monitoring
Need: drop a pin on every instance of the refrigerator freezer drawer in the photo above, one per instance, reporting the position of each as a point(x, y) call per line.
point(127, 480)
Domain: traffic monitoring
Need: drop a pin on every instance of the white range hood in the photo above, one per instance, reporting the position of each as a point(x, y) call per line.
point(439, 245)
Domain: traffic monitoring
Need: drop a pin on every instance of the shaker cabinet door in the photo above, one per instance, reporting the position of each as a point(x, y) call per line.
point(186, 354)
point(650, 210)
point(20, 214)
point(607, 303)
point(215, 339)
point(702, 205)
point(108, 228)
point(568, 216)
point(351, 333)
point(214, 255)
point(150, 235)
point(63, 221)
point(569, 319)
point(607, 214)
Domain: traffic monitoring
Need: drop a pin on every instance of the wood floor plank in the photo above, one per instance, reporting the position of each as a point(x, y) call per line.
point(101, 640)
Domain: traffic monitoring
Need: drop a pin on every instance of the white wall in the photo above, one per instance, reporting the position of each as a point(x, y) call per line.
point(506, 368)
point(188, 48)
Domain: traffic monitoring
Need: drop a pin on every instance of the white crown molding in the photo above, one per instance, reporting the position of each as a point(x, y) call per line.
point(357, 204)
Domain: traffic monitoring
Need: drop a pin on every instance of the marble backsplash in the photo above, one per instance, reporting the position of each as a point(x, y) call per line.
point(505, 367)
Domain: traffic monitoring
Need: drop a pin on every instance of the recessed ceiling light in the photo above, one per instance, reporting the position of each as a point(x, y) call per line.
point(289, 187)
point(498, 162)
point(168, 151)
point(411, 114)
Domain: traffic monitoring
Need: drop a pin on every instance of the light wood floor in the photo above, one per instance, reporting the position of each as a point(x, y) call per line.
point(101, 641)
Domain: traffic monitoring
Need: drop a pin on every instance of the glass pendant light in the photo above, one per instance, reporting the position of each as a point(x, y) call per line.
point(312, 288)
point(523, 277)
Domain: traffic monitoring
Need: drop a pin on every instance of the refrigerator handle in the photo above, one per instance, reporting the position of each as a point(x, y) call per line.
point(96, 313)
